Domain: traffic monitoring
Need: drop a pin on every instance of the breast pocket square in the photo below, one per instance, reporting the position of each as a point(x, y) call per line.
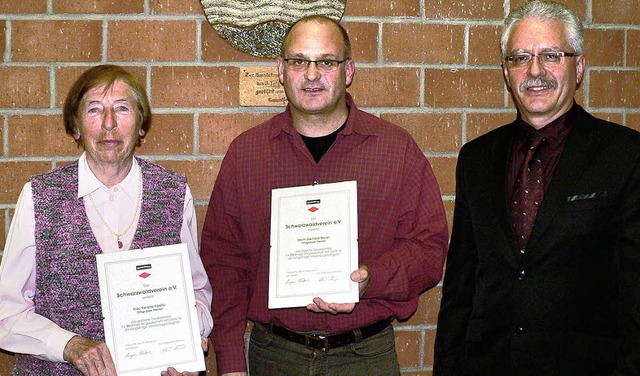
point(586, 196)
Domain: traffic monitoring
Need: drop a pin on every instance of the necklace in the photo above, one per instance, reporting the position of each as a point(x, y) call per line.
point(135, 214)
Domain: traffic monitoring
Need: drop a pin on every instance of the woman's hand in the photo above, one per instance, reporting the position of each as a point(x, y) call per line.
point(89, 357)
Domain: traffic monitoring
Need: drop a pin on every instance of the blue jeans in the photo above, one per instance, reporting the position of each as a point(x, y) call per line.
point(272, 355)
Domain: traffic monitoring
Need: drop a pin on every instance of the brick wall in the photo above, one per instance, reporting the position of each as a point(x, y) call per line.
point(428, 65)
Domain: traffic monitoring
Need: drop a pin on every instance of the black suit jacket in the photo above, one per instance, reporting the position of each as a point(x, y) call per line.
point(570, 304)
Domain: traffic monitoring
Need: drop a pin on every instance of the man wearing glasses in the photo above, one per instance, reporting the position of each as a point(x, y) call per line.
point(322, 137)
point(543, 269)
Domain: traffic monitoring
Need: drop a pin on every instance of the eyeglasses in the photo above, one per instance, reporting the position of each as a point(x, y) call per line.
point(324, 65)
point(551, 58)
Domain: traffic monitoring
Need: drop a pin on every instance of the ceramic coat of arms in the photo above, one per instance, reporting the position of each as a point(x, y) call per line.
point(258, 26)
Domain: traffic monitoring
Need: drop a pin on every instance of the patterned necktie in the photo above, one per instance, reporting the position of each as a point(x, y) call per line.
point(528, 191)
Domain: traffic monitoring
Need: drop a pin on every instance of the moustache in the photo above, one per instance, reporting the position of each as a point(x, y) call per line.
point(533, 82)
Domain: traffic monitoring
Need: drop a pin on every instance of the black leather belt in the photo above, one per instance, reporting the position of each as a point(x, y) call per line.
point(327, 342)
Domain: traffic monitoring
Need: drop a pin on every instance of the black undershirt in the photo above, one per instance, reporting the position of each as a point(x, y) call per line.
point(319, 145)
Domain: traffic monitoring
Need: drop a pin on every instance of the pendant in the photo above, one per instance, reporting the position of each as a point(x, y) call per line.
point(119, 244)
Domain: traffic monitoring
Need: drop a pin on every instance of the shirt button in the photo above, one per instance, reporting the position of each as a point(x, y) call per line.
point(115, 189)
point(522, 251)
point(518, 331)
point(521, 274)
point(111, 198)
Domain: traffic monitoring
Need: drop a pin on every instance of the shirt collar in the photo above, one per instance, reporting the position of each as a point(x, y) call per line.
point(354, 123)
point(89, 183)
point(554, 132)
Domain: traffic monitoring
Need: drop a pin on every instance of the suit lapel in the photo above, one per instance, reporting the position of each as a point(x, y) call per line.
point(498, 170)
point(575, 158)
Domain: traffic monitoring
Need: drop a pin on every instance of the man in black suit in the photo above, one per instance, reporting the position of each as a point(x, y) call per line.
point(543, 270)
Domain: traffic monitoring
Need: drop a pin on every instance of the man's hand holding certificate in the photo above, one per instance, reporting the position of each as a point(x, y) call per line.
point(314, 246)
point(361, 277)
point(149, 310)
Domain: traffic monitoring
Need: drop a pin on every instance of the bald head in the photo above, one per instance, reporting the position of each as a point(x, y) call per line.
point(318, 20)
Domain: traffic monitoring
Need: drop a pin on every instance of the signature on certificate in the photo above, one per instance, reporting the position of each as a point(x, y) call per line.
point(139, 353)
point(174, 348)
point(328, 278)
point(300, 280)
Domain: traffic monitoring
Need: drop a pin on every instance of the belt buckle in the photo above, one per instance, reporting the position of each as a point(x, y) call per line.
point(324, 340)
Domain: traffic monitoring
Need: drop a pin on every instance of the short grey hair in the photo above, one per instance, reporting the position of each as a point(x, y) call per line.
point(549, 11)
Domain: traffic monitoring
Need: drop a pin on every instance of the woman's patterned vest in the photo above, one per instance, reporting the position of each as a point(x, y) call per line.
point(66, 273)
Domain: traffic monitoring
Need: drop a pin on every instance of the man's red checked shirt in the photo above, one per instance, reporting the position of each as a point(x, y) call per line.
point(402, 230)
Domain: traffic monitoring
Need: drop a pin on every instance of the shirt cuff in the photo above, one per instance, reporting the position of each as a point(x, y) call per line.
point(231, 360)
point(377, 278)
point(205, 321)
point(56, 343)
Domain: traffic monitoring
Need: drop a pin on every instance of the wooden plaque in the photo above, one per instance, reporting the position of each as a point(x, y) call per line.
point(259, 86)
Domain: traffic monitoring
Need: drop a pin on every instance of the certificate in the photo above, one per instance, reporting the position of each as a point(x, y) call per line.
point(149, 309)
point(314, 244)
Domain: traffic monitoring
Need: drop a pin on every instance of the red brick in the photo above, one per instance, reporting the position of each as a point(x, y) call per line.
point(429, 344)
point(98, 6)
point(386, 87)
point(580, 6)
point(40, 135)
point(614, 117)
point(195, 86)
point(169, 134)
point(616, 12)
point(22, 7)
point(201, 212)
point(395, 8)
point(210, 361)
point(364, 41)
point(214, 48)
point(445, 170)
point(463, 88)
point(3, 240)
point(614, 89)
point(633, 52)
point(363, 36)
point(464, 9)
point(6, 359)
point(20, 172)
point(484, 44)
point(175, 7)
point(481, 123)
point(633, 121)
point(11, 213)
point(201, 174)
point(434, 132)
point(604, 47)
point(56, 40)
point(3, 25)
point(422, 43)
point(449, 205)
point(216, 131)
point(428, 307)
point(408, 348)
point(152, 41)
point(24, 87)
point(66, 76)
